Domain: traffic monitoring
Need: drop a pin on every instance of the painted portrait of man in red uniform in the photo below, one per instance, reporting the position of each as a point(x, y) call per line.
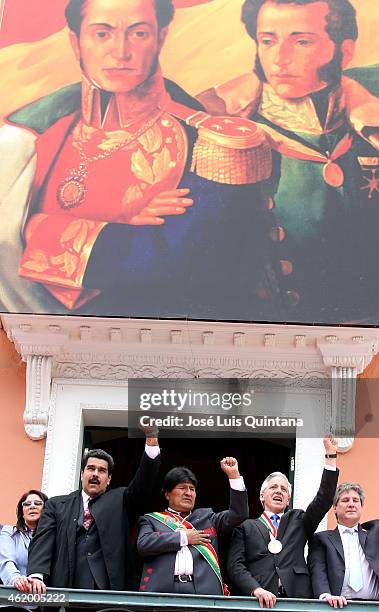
point(161, 186)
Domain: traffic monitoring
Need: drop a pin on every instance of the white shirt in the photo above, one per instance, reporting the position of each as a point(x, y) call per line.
point(184, 559)
point(370, 589)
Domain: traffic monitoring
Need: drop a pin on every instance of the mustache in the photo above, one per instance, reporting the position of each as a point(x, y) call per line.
point(94, 480)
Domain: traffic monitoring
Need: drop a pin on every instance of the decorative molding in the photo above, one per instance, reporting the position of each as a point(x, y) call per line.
point(146, 336)
point(270, 340)
point(239, 339)
point(176, 336)
point(49, 448)
point(355, 354)
point(87, 351)
point(208, 338)
point(115, 334)
point(63, 445)
point(150, 369)
point(346, 361)
point(49, 342)
point(76, 403)
point(300, 341)
point(38, 381)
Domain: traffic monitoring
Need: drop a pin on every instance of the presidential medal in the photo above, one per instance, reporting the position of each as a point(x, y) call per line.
point(274, 546)
point(333, 174)
point(71, 192)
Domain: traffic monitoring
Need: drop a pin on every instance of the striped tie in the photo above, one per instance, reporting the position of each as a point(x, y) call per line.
point(87, 517)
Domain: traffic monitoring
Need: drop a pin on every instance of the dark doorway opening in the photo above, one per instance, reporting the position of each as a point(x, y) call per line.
point(256, 458)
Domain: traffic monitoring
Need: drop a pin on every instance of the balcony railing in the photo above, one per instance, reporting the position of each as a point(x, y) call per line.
point(160, 602)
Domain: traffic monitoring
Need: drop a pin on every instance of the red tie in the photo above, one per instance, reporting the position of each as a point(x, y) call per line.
point(87, 517)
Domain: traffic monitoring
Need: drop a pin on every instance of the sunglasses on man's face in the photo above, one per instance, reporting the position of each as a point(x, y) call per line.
point(27, 504)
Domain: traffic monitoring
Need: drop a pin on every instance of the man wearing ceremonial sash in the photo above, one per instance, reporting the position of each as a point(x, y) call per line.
point(180, 545)
point(323, 127)
point(266, 555)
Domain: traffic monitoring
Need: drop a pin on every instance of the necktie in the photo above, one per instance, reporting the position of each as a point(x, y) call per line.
point(275, 520)
point(87, 517)
point(355, 569)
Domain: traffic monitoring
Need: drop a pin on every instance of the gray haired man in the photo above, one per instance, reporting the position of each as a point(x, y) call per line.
point(266, 555)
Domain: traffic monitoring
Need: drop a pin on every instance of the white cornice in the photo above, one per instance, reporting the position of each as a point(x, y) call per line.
point(84, 348)
point(115, 340)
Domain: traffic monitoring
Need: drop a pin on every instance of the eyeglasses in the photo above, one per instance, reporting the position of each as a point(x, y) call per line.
point(34, 502)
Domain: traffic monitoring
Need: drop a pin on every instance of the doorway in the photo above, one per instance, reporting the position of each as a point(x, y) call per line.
point(256, 458)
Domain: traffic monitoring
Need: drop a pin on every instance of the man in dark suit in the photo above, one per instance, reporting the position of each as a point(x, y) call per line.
point(180, 545)
point(266, 555)
point(83, 539)
point(344, 562)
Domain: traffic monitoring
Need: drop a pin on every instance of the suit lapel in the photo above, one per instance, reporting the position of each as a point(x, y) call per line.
point(72, 514)
point(283, 523)
point(263, 530)
point(362, 535)
point(335, 538)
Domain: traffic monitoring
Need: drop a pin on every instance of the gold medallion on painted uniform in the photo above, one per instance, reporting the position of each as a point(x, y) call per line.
point(71, 192)
point(333, 174)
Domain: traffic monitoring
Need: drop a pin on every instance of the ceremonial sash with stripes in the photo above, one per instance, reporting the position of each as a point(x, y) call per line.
point(265, 519)
point(206, 550)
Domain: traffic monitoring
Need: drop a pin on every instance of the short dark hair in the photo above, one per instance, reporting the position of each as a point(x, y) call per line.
point(176, 476)
point(20, 521)
point(74, 13)
point(98, 453)
point(341, 21)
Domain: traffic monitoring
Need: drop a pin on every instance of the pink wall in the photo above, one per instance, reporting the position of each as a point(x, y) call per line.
point(361, 463)
point(22, 459)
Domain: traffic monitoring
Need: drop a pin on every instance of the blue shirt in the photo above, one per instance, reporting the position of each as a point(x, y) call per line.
point(13, 554)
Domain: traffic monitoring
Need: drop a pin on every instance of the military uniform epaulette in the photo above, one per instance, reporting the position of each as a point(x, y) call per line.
point(230, 150)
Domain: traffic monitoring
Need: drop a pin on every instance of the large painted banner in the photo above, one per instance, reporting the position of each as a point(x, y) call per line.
point(203, 159)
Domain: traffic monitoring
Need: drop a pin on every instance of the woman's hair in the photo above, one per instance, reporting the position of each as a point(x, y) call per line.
point(20, 523)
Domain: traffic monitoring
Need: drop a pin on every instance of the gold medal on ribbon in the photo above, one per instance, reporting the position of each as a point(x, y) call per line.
point(71, 192)
point(333, 174)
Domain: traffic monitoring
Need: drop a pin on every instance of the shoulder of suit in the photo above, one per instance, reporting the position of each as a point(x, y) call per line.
point(202, 511)
point(293, 512)
point(368, 525)
point(248, 524)
point(321, 535)
point(56, 499)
